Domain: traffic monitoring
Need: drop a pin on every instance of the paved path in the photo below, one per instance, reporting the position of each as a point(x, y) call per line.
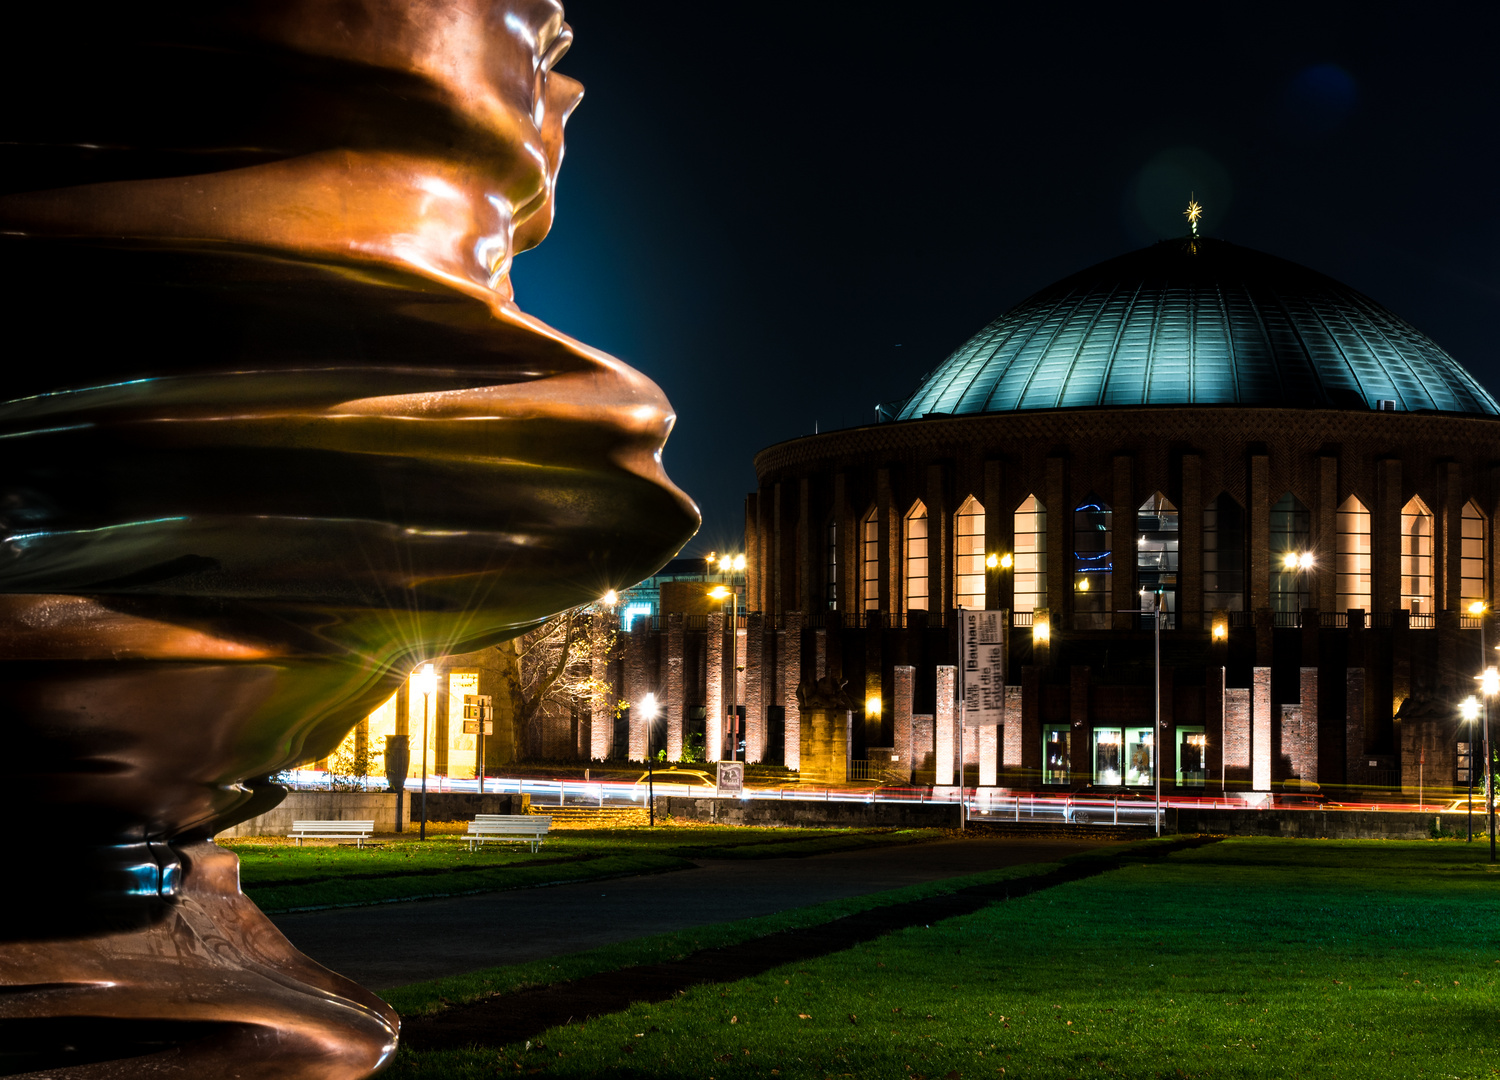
point(392, 944)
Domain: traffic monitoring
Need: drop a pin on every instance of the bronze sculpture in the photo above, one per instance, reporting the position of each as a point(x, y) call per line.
point(279, 432)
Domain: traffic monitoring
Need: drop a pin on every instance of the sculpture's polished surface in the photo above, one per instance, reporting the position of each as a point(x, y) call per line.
point(278, 431)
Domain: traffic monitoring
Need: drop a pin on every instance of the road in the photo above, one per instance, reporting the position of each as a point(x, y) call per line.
point(389, 945)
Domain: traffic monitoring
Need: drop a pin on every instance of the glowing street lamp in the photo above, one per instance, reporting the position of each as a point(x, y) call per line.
point(1489, 685)
point(1469, 710)
point(872, 705)
point(426, 684)
point(610, 599)
point(649, 709)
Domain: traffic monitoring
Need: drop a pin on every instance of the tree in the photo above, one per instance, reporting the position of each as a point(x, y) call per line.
point(557, 676)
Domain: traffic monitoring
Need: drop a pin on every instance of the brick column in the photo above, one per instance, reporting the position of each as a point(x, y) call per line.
point(987, 741)
point(1237, 735)
point(901, 695)
point(1012, 735)
point(1310, 724)
point(820, 653)
point(638, 683)
point(944, 730)
point(1082, 764)
point(789, 663)
point(999, 536)
point(1258, 558)
point(1059, 545)
point(1260, 740)
point(602, 707)
point(1354, 726)
point(1123, 596)
point(923, 743)
point(1190, 545)
point(675, 686)
point(1385, 536)
point(1325, 528)
point(755, 687)
point(713, 690)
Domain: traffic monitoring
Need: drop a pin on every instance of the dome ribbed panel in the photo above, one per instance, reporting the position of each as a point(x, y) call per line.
point(1204, 323)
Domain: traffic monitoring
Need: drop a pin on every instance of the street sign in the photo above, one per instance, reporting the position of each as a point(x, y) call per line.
point(731, 777)
point(477, 707)
point(471, 727)
point(983, 652)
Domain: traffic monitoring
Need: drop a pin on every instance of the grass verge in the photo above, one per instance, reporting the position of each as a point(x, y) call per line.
point(425, 998)
point(1245, 959)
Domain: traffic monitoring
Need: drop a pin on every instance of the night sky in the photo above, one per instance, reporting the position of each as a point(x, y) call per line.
point(785, 214)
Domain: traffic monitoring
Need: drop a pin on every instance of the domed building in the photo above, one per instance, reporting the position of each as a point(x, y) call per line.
point(1301, 483)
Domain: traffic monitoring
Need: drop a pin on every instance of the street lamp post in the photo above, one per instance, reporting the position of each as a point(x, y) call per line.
point(427, 683)
point(1469, 710)
point(1491, 686)
point(649, 710)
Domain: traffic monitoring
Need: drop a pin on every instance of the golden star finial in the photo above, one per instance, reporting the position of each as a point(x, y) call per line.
point(1193, 213)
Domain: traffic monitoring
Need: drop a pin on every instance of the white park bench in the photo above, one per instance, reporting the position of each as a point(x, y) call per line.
point(359, 831)
point(526, 828)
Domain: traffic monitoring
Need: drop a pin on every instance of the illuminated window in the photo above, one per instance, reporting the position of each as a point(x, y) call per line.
point(1057, 765)
point(1223, 556)
point(1291, 579)
point(630, 612)
point(1156, 555)
point(968, 555)
point(870, 530)
point(831, 565)
point(1471, 557)
point(1353, 555)
point(1416, 557)
point(1093, 565)
point(914, 552)
point(1030, 562)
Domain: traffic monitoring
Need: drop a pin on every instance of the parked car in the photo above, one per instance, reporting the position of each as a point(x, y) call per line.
point(689, 777)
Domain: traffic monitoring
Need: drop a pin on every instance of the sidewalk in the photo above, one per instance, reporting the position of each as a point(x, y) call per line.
point(393, 944)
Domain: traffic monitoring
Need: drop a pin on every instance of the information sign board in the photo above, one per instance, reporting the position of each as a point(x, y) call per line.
point(731, 777)
point(983, 652)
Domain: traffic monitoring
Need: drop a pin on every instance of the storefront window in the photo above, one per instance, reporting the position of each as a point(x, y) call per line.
point(1107, 756)
point(1056, 750)
point(1138, 758)
point(1192, 757)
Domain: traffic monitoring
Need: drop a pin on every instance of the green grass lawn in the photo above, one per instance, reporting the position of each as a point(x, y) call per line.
point(281, 877)
point(1249, 958)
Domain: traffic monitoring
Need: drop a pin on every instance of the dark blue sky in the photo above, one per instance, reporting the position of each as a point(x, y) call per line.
point(786, 214)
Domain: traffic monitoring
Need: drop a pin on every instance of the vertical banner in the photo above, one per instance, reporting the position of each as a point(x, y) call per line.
point(983, 652)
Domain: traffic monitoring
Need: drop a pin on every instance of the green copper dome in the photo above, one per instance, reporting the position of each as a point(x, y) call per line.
point(1197, 322)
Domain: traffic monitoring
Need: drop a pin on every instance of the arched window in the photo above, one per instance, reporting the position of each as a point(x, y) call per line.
point(831, 564)
point(968, 555)
point(1291, 556)
point(1029, 561)
point(1093, 565)
point(1353, 564)
point(1471, 557)
point(1416, 557)
point(1156, 554)
point(914, 552)
point(1223, 555)
point(869, 531)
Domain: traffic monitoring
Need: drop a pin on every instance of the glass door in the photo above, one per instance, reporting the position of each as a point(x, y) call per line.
point(1138, 757)
point(1192, 757)
point(1107, 757)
